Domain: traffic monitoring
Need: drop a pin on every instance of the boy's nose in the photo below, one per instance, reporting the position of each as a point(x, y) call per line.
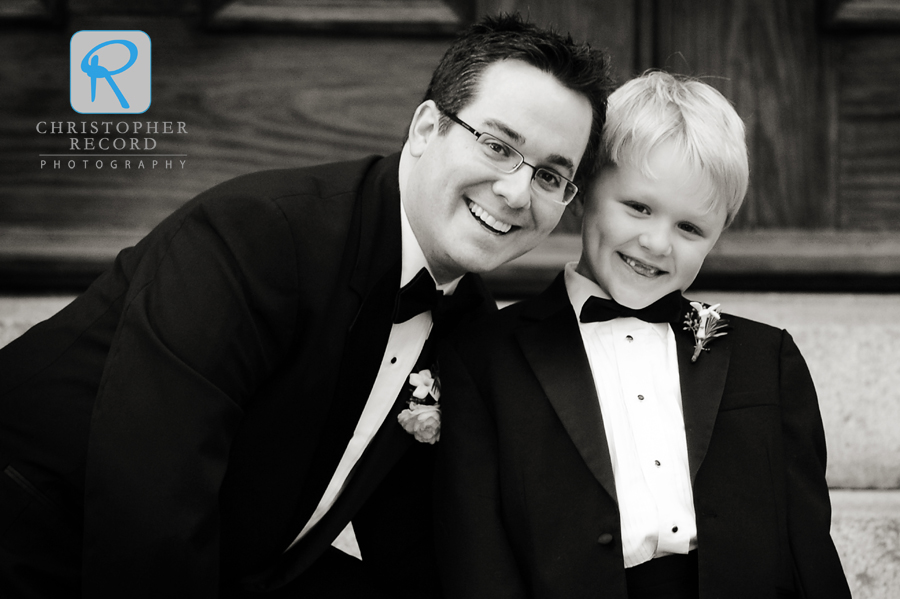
point(656, 242)
point(515, 188)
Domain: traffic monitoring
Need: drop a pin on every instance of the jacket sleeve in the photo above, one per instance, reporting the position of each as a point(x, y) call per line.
point(474, 552)
point(818, 566)
point(210, 312)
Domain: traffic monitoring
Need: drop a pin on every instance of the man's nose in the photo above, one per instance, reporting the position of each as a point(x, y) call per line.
point(515, 188)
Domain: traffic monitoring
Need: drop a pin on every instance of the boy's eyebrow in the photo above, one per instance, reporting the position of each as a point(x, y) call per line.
point(514, 136)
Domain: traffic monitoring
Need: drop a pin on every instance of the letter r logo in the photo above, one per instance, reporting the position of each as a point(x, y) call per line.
point(109, 72)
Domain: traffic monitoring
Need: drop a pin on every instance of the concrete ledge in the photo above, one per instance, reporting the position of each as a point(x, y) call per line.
point(865, 526)
point(20, 313)
point(850, 341)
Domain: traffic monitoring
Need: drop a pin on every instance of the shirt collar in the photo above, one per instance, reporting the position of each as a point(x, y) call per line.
point(413, 259)
point(580, 288)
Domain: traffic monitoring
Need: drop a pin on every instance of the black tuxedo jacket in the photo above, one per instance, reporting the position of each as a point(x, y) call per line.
point(172, 430)
point(526, 495)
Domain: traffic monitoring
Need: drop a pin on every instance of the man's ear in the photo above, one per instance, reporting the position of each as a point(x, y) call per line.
point(424, 127)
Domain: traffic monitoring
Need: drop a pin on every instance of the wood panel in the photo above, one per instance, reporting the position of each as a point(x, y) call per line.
point(768, 58)
point(821, 107)
point(869, 169)
point(249, 102)
point(607, 24)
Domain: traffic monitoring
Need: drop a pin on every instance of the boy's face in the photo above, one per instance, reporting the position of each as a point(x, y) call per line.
point(646, 237)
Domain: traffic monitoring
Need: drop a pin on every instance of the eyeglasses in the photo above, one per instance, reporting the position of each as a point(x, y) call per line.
point(546, 183)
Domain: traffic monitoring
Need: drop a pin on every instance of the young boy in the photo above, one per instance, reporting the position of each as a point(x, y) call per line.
point(594, 448)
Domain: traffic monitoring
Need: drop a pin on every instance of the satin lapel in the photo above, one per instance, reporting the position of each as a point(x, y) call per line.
point(702, 384)
point(380, 456)
point(554, 349)
point(379, 240)
point(372, 260)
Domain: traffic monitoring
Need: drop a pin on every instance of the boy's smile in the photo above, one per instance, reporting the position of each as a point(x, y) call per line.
point(644, 237)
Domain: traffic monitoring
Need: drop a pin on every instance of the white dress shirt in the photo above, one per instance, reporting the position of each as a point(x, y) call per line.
point(635, 370)
point(403, 348)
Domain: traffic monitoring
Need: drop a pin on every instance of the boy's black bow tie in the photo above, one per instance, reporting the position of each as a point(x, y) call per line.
point(417, 296)
point(665, 309)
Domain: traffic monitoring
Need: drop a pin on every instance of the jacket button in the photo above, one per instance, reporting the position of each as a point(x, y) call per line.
point(605, 539)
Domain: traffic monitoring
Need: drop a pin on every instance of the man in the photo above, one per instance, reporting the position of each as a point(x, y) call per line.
point(215, 410)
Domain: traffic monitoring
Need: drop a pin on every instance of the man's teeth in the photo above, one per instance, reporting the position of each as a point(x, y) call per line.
point(483, 216)
point(641, 268)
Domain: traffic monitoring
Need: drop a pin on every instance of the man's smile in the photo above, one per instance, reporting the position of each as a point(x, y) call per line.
point(641, 268)
point(486, 220)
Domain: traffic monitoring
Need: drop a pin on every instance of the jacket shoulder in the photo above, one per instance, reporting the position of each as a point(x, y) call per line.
point(321, 182)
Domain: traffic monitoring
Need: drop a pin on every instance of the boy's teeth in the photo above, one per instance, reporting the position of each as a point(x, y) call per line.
point(487, 219)
point(641, 267)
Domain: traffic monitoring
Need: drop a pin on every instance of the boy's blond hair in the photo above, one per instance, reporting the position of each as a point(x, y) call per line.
point(658, 107)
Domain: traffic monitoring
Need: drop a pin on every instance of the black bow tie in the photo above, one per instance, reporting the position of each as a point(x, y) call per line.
point(665, 309)
point(417, 296)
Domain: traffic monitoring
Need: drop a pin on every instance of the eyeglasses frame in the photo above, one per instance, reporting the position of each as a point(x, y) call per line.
point(534, 169)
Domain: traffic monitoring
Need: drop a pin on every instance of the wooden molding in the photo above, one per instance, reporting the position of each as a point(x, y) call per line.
point(30, 10)
point(368, 16)
point(769, 260)
point(69, 259)
point(868, 14)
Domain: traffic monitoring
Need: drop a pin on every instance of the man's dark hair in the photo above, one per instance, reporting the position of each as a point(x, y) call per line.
point(578, 67)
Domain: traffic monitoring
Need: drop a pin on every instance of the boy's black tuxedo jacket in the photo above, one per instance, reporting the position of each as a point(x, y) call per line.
point(178, 422)
point(526, 495)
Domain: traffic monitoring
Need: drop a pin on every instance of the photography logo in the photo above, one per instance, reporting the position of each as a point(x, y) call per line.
point(109, 72)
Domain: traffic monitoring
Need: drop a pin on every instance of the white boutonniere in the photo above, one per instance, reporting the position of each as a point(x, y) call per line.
point(423, 417)
point(706, 323)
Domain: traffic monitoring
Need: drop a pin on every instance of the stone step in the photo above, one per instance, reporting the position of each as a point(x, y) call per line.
point(865, 526)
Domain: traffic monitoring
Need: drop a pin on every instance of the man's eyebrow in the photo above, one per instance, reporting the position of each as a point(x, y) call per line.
point(505, 129)
point(555, 159)
point(563, 162)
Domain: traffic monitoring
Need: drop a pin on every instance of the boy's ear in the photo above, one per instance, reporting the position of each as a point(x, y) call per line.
point(424, 127)
point(576, 206)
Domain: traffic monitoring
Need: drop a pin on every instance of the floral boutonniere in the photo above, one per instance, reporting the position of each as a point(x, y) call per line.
point(706, 323)
point(423, 417)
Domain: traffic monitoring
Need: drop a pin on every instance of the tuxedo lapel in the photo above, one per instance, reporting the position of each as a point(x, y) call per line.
point(702, 384)
point(553, 347)
point(361, 313)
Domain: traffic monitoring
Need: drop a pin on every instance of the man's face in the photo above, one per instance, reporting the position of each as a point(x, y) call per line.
point(467, 215)
point(646, 237)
